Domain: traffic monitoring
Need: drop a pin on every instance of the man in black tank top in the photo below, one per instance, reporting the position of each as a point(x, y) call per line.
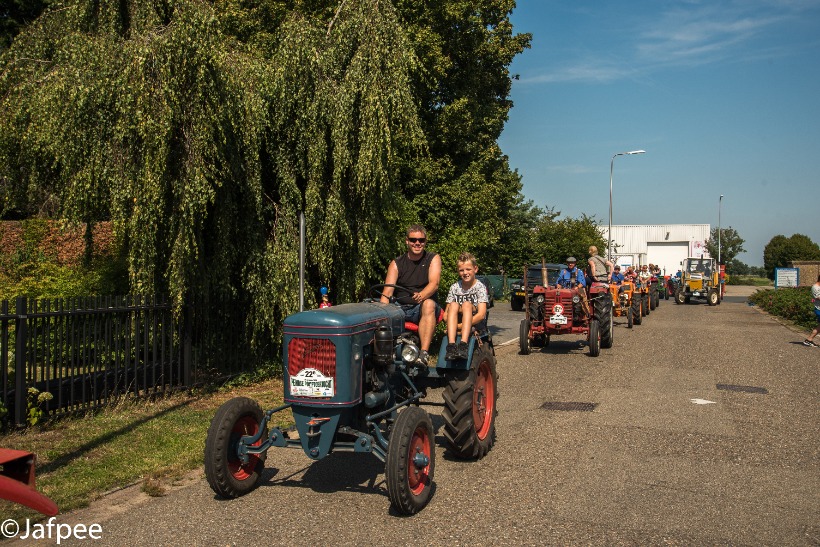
point(420, 272)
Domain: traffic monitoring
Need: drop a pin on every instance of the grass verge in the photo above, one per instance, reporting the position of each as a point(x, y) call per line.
point(152, 442)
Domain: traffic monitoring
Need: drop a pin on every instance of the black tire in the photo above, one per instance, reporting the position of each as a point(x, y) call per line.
point(680, 298)
point(645, 304)
point(524, 337)
point(594, 338)
point(410, 482)
point(470, 407)
point(666, 295)
point(603, 311)
point(637, 315)
point(226, 474)
point(516, 304)
point(686, 299)
point(629, 318)
point(713, 297)
point(652, 301)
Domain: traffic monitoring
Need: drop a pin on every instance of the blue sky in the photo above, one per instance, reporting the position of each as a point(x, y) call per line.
point(724, 96)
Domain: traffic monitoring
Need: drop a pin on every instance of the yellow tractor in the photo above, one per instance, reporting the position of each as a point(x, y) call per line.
point(700, 278)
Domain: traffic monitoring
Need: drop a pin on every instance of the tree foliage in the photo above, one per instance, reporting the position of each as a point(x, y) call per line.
point(731, 245)
point(202, 129)
point(202, 148)
point(782, 250)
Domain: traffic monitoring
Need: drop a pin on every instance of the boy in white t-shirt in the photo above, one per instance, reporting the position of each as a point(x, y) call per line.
point(467, 300)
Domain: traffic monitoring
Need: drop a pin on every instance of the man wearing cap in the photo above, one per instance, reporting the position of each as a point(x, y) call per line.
point(571, 277)
point(617, 276)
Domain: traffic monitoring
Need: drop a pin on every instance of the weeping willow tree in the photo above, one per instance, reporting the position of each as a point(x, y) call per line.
point(202, 148)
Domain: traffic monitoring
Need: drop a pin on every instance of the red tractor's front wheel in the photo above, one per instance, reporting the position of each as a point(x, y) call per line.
point(470, 407)
point(226, 472)
point(411, 459)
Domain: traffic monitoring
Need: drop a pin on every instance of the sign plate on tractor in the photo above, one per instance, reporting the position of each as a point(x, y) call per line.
point(311, 383)
point(558, 320)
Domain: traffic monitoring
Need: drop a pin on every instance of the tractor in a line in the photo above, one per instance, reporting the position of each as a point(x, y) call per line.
point(700, 278)
point(567, 311)
point(355, 382)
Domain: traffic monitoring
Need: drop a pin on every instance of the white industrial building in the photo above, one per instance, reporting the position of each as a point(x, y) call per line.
point(663, 244)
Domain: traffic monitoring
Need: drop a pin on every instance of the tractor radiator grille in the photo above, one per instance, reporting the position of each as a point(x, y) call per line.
point(312, 353)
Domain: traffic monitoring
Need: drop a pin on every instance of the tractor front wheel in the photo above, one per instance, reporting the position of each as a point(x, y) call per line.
point(629, 318)
point(637, 315)
point(411, 459)
point(228, 476)
point(680, 298)
point(713, 297)
point(524, 337)
point(470, 407)
point(645, 304)
point(594, 338)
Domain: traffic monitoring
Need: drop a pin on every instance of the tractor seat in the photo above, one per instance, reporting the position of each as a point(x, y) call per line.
point(413, 327)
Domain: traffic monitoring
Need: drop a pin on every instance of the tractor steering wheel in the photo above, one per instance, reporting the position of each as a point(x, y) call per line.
point(377, 291)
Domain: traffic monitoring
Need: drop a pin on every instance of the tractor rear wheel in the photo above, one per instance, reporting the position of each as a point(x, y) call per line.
point(524, 337)
point(470, 407)
point(411, 459)
point(645, 304)
point(629, 318)
point(713, 297)
point(637, 315)
point(594, 338)
point(227, 475)
point(603, 311)
point(652, 301)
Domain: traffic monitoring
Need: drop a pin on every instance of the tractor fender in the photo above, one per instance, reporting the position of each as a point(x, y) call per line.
point(17, 482)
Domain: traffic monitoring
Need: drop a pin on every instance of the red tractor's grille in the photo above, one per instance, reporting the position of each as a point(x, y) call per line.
point(312, 353)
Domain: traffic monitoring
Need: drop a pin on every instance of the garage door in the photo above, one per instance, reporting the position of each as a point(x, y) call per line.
point(667, 254)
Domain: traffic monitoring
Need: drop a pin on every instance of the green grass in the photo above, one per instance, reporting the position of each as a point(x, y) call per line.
point(153, 442)
point(749, 280)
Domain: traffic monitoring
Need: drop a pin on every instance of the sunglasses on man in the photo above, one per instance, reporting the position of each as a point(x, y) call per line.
point(417, 239)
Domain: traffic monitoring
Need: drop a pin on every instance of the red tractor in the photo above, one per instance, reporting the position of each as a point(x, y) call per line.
point(560, 311)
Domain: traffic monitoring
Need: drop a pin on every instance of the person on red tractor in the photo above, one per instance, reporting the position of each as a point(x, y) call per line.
point(600, 269)
point(419, 271)
point(466, 302)
point(571, 277)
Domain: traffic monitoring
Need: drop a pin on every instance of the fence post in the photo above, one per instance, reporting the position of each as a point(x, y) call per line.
point(21, 333)
point(187, 329)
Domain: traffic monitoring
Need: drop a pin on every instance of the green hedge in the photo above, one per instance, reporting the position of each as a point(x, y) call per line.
point(792, 304)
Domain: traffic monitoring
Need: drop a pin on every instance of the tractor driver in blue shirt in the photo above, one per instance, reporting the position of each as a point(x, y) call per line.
point(571, 277)
point(617, 276)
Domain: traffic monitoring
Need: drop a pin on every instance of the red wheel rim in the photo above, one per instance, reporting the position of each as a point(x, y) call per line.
point(418, 477)
point(483, 400)
point(245, 425)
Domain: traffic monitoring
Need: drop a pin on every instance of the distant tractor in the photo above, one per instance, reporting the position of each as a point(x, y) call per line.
point(700, 279)
point(561, 311)
point(623, 303)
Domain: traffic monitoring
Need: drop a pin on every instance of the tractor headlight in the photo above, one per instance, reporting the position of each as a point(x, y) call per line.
point(540, 298)
point(409, 353)
point(576, 299)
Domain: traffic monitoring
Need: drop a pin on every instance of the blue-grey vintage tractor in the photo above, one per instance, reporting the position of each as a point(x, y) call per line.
point(354, 382)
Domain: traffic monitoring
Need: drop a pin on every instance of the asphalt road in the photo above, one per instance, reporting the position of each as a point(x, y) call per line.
point(670, 454)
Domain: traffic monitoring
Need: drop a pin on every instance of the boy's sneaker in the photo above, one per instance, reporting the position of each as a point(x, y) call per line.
point(463, 348)
point(809, 343)
point(451, 353)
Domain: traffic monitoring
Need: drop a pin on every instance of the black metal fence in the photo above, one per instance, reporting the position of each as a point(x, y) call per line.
point(85, 352)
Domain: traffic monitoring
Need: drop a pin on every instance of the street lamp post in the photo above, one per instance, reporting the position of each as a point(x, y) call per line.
point(611, 166)
point(720, 202)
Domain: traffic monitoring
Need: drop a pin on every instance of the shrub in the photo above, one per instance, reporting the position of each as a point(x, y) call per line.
point(792, 304)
